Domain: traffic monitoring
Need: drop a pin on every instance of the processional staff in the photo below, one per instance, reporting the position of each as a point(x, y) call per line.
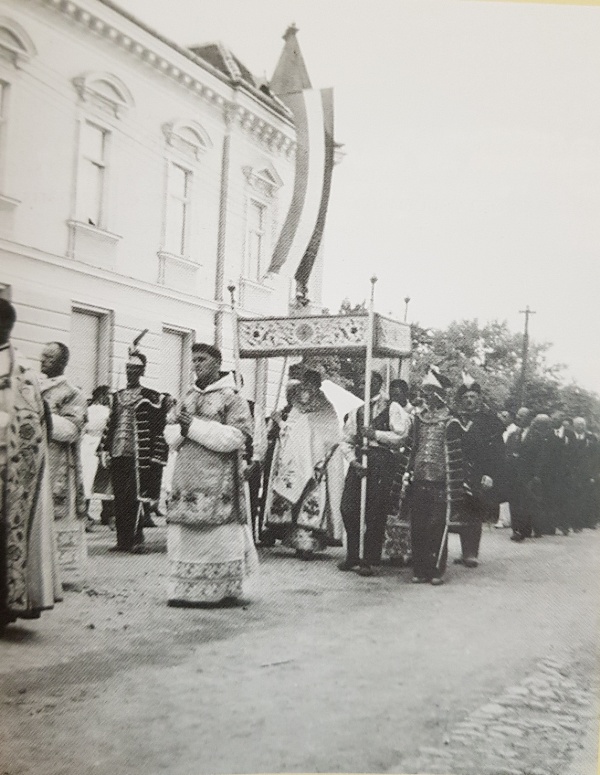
point(235, 340)
point(238, 384)
point(367, 414)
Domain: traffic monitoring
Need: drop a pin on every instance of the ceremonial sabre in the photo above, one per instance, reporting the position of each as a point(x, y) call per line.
point(455, 478)
point(140, 512)
point(367, 415)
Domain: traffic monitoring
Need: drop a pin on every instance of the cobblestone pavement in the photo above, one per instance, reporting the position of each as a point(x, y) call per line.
point(536, 727)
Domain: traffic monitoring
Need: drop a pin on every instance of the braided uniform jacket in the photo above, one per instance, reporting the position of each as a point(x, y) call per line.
point(150, 447)
point(437, 456)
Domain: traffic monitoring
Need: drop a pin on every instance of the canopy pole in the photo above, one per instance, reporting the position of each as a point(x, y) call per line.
point(238, 384)
point(367, 415)
point(236, 340)
point(280, 385)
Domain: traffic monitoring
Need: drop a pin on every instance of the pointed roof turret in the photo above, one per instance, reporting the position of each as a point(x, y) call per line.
point(290, 73)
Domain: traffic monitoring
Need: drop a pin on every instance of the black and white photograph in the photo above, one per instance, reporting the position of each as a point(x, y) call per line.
point(299, 387)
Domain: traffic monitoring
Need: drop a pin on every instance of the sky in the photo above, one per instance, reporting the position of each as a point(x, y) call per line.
point(471, 130)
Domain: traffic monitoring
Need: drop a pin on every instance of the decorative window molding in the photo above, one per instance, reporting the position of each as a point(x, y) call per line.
point(104, 91)
point(254, 295)
point(92, 245)
point(15, 43)
point(187, 137)
point(164, 255)
point(265, 180)
point(102, 235)
point(185, 269)
point(8, 202)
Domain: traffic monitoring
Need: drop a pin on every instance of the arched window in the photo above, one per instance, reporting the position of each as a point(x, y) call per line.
point(187, 137)
point(104, 91)
point(15, 44)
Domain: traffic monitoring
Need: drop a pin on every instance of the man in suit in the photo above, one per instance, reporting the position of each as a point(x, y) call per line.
point(483, 453)
point(585, 470)
point(560, 484)
point(521, 519)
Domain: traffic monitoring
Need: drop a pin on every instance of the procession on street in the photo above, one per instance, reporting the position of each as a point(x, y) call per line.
point(255, 514)
point(442, 463)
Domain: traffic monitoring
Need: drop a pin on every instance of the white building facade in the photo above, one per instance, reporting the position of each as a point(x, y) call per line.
point(138, 180)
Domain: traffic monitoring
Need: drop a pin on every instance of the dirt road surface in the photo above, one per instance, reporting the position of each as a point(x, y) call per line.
point(494, 673)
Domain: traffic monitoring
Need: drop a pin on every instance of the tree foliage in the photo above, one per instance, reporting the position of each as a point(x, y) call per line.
point(490, 353)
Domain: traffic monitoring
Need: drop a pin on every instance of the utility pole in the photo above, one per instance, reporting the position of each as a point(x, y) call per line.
point(523, 386)
point(406, 303)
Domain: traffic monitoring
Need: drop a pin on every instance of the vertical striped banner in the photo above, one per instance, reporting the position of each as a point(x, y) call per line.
point(301, 235)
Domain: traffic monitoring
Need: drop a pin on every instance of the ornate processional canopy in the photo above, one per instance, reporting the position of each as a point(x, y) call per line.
point(322, 335)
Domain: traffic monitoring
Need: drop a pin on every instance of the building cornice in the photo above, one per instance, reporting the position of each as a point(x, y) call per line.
point(188, 73)
point(73, 265)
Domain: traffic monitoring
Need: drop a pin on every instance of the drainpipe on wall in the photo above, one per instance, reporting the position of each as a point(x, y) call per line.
point(222, 233)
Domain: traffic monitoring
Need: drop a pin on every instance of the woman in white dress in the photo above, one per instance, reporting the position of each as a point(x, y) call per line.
point(98, 411)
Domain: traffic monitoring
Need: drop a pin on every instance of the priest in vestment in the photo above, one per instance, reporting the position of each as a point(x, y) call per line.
point(68, 406)
point(307, 477)
point(29, 578)
point(209, 541)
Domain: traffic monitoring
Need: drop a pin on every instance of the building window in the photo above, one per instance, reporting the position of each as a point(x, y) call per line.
point(179, 191)
point(256, 239)
point(4, 98)
point(89, 364)
point(93, 174)
point(176, 362)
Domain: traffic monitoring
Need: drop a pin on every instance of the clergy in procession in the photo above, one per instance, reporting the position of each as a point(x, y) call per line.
point(210, 546)
point(483, 452)
point(134, 448)
point(428, 474)
point(385, 433)
point(29, 573)
point(307, 479)
point(68, 406)
point(273, 530)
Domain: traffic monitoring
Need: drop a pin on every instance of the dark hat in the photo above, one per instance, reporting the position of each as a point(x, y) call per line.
point(136, 358)
point(211, 349)
point(312, 377)
point(400, 383)
point(474, 387)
